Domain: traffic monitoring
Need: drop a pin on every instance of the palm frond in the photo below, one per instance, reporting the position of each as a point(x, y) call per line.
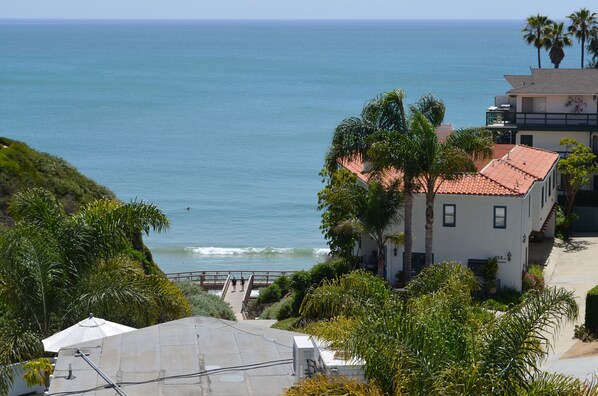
point(520, 338)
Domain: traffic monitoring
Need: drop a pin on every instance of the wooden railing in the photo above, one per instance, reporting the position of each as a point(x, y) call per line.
point(247, 295)
point(217, 279)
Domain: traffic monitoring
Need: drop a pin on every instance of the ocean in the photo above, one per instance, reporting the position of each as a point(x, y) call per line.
point(224, 124)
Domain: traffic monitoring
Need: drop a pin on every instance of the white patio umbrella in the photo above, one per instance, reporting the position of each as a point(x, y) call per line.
point(86, 330)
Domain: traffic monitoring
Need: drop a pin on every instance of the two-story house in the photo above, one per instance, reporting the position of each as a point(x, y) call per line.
point(545, 106)
point(491, 213)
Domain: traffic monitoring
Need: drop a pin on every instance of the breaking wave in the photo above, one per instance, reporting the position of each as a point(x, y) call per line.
point(255, 251)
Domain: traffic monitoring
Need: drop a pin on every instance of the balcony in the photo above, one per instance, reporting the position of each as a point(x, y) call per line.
point(506, 119)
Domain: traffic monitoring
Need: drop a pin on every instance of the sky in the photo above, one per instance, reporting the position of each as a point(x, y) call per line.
point(287, 9)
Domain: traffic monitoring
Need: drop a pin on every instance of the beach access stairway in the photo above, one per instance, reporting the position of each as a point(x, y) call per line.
point(221, 281)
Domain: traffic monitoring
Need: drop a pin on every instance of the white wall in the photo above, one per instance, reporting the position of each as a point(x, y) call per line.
point(474, 235)
point(539, 213)
point(549, 140)
point(556, 103)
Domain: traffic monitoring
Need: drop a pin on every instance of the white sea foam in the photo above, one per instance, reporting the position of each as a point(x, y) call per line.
point(321, 252)
point(255, 251)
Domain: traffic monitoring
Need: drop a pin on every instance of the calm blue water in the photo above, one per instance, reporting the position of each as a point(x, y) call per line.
point(232, 119)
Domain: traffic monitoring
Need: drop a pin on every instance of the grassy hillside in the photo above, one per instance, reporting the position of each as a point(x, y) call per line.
point(21, 167)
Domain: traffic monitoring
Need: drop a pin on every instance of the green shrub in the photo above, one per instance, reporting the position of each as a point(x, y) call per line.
point(284, 283)
point(563, 224)
point(279, 310)
point(341, 266)
point(270, 294)
point(286, 309)
point(507, 296)
point(591, 320)
point(494, 305)
point(204, 304)
point(271, 311)
point(322, 271)
point(301, 281)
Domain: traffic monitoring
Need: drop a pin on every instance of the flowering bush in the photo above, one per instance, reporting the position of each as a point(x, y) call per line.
point(533, 279)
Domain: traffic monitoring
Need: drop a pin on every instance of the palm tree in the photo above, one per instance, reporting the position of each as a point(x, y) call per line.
point(384, 123)
point(583, 26)
point(535, 32)
point(377, 210)
point(593, 49)
point(556, 40)
point(436, 340)
point(56, 268)
point(441, 161)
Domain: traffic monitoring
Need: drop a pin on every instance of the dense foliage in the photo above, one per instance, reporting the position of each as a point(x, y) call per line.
point(303, 282)
point(434, 339)
point(336, 203)
point(591, 319)
point(22, 168)
point(56, 268)
point(333, 386)
point(576, 168)
point(202, 303)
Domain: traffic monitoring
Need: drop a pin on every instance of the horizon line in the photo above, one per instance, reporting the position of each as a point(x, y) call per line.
point(259, 19)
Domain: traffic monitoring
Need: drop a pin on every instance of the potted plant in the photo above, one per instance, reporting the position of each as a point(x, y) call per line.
point(37, 372)
point(490, 270)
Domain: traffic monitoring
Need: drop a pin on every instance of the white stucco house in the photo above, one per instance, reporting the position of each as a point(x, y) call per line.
point(545, 106)
point(491, 213)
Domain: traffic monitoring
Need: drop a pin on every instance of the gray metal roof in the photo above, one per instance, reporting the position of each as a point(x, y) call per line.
point(556, 82)
point(191, 356)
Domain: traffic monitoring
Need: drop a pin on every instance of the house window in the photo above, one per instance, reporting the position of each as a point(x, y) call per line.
point(500, 217)
point(542, 197)
point(528, 140)
point(533, 104)
point(448, 215)
point(550, 186)
point(529, 206)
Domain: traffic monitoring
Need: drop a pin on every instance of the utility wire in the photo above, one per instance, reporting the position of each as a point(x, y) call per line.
point(198, 374)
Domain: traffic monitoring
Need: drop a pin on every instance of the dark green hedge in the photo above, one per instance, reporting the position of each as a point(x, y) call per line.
point(592, 310)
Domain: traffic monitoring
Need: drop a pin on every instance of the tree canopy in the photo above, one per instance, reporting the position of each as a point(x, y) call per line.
point(536, 32)
point(576, 169)
point(434, 339)
point(56, 268)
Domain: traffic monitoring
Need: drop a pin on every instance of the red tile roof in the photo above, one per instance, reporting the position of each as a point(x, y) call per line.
point(512, 171)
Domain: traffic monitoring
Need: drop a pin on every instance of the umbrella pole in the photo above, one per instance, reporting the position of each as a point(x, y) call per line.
point(101, 373)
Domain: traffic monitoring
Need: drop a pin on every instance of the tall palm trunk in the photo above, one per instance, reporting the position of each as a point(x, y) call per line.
point(381, 258)
point(429, 223)
point(583, 47)
point(539, 63)
point(409, 186)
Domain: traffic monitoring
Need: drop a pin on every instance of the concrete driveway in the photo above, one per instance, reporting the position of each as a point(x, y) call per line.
point(573, 266)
